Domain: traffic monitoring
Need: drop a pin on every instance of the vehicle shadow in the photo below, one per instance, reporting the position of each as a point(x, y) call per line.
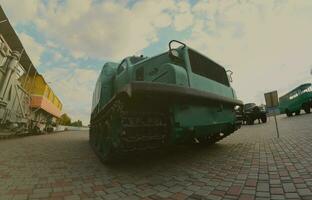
point(177, 154)
point(284, 117)
point(256, 122)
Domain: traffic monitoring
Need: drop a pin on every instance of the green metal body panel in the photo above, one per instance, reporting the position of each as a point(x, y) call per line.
point(193, 91)
point(104, 89)
point(205, 84)
point(296, 99)
point(200, 120)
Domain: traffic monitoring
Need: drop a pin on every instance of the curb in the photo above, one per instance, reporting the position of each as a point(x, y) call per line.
point(14, 135)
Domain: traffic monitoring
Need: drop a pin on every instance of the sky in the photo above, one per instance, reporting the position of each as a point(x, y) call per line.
point(267, 44)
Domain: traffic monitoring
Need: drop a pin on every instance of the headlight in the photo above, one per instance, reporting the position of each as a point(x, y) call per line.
point(174, 53)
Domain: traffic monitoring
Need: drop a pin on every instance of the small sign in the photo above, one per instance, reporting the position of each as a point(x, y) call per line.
point(273, 110)
point(271, 99)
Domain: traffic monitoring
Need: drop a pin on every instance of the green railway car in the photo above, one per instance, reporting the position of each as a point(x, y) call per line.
point(297, 99)
point(147, 103)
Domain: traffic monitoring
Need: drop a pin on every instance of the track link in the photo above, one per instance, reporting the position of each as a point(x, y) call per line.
point(121, 130)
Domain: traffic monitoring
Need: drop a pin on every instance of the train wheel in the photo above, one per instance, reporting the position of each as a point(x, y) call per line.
point(297, 112)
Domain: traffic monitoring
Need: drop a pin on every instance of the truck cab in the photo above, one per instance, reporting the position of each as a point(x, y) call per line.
point(182, 66)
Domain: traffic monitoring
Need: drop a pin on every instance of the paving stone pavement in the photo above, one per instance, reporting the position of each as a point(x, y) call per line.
point(250, 164)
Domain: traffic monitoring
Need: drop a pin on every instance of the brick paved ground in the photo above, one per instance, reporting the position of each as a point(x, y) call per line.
point(250, 164)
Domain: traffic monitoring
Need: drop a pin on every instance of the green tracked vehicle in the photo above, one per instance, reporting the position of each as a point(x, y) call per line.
point(179, 96)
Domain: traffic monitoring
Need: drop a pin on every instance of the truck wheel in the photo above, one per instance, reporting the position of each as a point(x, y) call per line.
point(264, 118)
point(306, 108)
point(250, 121)
point(288, 113)
point(297, 112)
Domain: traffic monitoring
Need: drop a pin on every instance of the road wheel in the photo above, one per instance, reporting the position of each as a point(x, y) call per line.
point(250, 121)
point(306, 108)
point(207, 140)
point(264, 118)
point(211, 139)
point(288, 113)
point(106, 150)
point(297, 112)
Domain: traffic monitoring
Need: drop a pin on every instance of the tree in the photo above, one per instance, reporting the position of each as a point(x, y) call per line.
point(64, 120)
point(77, 123)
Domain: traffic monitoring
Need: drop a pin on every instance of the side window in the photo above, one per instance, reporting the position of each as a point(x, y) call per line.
point(122, 67)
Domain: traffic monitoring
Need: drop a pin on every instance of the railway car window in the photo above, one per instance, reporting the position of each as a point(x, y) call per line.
point(306, 90)
point(249, 105)
point(122, 67)
point(294, 95)
point(205, 67)
point(296, 92)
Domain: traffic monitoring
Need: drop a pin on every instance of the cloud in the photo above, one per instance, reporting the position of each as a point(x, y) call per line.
point(104, 29)
point(266, 44)
point(74, 86)
point(20, 11)
point(51, 44)
point(32, 47)
point(183, 18)
point(57, 56)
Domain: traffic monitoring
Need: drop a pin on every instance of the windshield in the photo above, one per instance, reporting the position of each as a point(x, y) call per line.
point(249, 105)
point(135, 59)
point(205, 67)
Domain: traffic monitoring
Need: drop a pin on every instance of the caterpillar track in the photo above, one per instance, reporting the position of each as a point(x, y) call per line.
point(126, 128)
point(123, 129)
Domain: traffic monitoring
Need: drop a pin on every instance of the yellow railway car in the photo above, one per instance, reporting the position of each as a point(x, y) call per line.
point(42, 96)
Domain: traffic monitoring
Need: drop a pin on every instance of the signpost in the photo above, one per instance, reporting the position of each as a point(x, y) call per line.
point(271, 100)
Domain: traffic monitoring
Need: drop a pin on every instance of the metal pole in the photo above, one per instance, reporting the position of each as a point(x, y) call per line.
point(21, 55)
point(26, 78)
point(3, 21)
point(32, 83)
point(30, 93)
point(23, 85)
point(277, 132)
point(11, 67)
point(19, 101)
point(18, 62)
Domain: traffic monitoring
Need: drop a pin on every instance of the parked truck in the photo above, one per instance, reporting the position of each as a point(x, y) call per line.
point(142, 103)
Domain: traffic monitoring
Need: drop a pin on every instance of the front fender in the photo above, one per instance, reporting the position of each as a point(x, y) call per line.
point(179, 73)
point(165, 73)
